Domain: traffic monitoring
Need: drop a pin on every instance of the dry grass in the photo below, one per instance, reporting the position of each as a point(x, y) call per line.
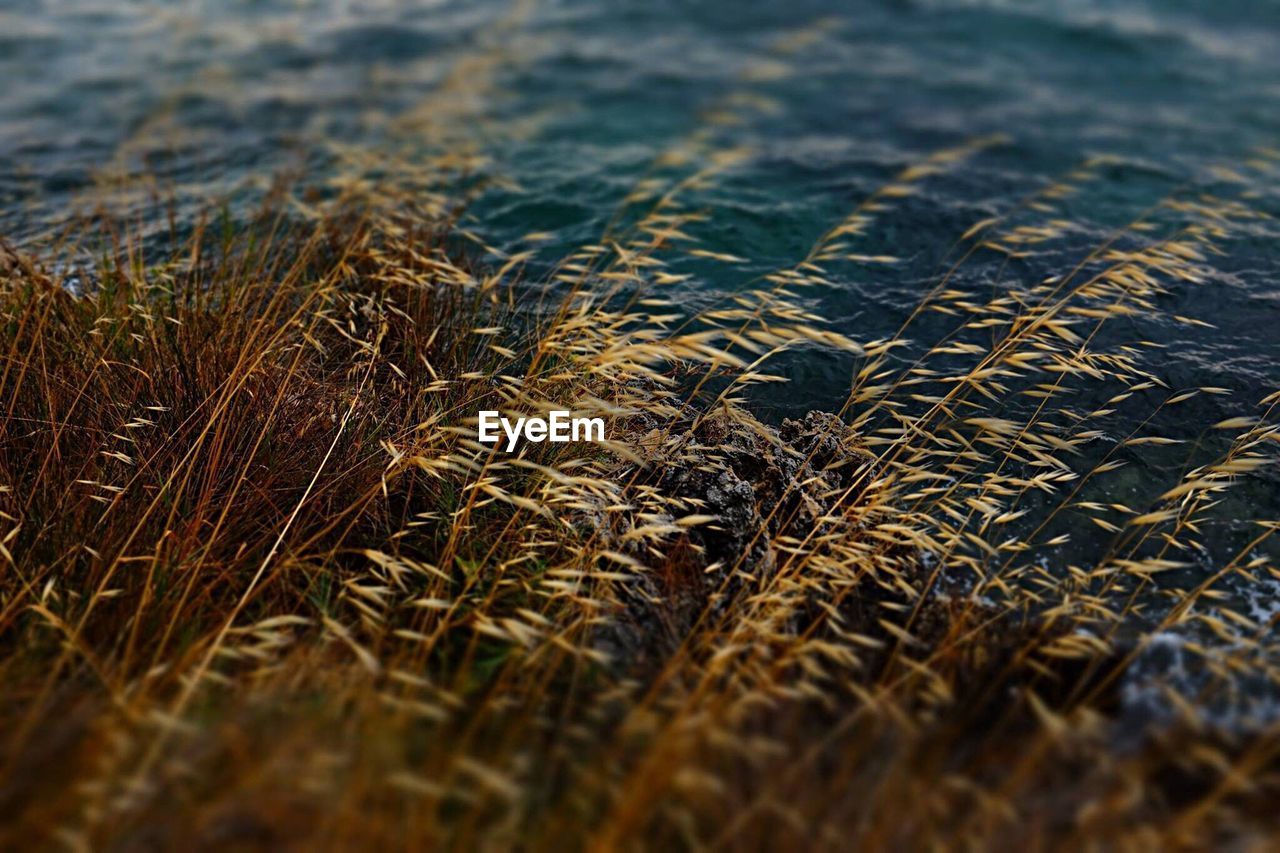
point(261, 584)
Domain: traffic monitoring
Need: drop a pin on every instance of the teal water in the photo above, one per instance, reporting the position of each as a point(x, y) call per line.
point(210, 98)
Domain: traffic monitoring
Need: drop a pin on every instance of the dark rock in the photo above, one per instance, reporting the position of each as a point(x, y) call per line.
point(761, 484)
point(758, 483)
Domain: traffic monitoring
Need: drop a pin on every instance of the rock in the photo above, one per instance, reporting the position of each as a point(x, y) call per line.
point(757, 482)
point(761, 484)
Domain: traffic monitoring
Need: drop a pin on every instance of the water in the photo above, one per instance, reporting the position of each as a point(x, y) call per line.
point(208, 97)
point(574, 100)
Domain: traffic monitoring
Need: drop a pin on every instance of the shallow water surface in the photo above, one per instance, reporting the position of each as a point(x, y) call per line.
point(209, 97)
